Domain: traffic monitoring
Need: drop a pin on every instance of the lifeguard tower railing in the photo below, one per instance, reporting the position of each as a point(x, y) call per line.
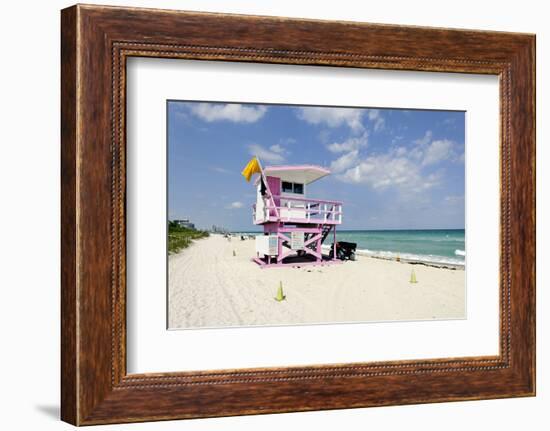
point(298, 210)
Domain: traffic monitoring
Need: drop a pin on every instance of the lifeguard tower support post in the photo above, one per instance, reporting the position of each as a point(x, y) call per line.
point(295, 226)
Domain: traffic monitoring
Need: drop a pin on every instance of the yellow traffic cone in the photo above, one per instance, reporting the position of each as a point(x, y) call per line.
point(413, 277)
point(280, 296)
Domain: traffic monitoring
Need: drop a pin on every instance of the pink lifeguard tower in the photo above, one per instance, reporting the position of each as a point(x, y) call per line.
point(295, 226)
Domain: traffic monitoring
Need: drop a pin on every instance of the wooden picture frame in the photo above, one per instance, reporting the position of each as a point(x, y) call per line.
point(95, 43)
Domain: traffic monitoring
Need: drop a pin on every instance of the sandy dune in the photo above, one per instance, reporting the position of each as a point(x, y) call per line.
point(209, 287)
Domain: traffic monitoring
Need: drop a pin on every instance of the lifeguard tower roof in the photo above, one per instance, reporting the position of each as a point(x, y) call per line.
point(305, 174)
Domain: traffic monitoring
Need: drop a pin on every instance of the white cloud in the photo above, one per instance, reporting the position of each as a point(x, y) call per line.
point(425, 140)
point(235, 205)
point(388, 170)
point(333, 117)
point(450, 122)
point(221, 170)
point(287, 141)
point(336, 117)
point(453, 199)
point(234, 112)
point(437, 151)
point(376, 118)
point(429, 151)
point(397, 139)
point(344, 162)
point(277, 148)
point(268, 155)
point(401, 167)
point(351, 144)
point(401, 151)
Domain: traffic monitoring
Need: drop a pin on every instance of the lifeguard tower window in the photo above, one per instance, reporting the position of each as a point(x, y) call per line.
point(288, 187)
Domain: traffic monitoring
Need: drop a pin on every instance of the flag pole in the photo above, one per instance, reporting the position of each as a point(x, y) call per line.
point(267, 186)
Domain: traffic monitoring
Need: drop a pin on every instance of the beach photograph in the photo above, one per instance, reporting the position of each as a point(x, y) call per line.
point(299, 215)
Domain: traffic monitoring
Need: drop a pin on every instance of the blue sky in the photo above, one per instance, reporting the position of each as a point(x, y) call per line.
point(392, 168)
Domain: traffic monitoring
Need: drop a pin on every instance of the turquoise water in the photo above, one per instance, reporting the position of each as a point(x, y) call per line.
point(437, 246)
point(443, 246)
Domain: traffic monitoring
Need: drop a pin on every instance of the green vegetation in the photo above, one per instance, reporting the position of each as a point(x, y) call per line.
point(181, 237)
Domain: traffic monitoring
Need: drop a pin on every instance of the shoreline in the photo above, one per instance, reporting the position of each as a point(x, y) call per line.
point(451, 266)
point(234, 291)
point(420, 259)
point(412, 261)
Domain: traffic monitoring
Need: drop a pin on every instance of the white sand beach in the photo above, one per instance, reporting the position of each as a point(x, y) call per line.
point(209, 287)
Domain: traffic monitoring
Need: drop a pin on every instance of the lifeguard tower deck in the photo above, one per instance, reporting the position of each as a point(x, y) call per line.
point(295, 226)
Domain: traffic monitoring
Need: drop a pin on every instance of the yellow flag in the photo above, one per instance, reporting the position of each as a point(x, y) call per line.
point(252, 167)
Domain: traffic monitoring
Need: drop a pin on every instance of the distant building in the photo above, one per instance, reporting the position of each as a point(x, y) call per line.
point(219, 229)
point(185, 223)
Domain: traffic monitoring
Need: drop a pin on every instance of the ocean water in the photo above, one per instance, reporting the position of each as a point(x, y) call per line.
point(438, 246)
point(443, 246)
